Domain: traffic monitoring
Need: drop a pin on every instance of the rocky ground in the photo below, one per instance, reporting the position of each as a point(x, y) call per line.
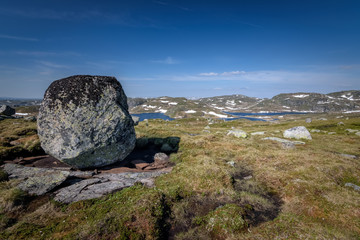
point(228, 180)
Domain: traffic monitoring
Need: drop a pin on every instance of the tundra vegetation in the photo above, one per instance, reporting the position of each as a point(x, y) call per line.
point(222, 187)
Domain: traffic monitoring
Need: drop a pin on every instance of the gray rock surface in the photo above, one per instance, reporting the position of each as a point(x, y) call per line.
point(104, 184)
point(7, 110)
point(287, 144)
point(238, 133)
point(84, 121)
point(298, 133)
point(257, 133)
point(351, 130)
point(37, 181)
point(353, 186)
point(308, 120)
point(161, 159)
point(135, 120)
point(347, 155)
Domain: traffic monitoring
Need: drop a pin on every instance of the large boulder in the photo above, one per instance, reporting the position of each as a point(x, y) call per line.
point(6, 110)
point(298, 133)
point(84, 121)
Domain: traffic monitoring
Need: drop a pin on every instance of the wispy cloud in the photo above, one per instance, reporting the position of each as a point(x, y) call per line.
point(18, 38)
point(172, 5)
point(47, 53)
point(168, 60)
point(52, 65)
point(209, 74)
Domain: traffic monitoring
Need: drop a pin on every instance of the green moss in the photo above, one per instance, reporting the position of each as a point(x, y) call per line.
point(227, 219)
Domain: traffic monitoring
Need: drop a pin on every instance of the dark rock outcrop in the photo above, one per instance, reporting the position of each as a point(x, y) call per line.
point(7, 110)
point(84, 121)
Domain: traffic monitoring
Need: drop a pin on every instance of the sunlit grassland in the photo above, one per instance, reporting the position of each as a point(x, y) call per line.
point(291, 194)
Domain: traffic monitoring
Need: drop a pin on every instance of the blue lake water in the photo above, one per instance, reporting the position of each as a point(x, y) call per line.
point(238, 115)
point(143, 116)
point(243, 115)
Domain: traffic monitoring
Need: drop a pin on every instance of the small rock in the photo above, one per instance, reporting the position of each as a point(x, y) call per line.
point(315, 130)
point(340, 124)
point(355, 187)
point(238, 133)
point(288, 145)
point(7, 110)
point(31, 119)
point(248, 177)
point(348, 155)
point(257, 133)
point(15, 143)
point(323, 119)
point(357, 133)
point(308, 120)
point(206, 131)
point(161, 159)
point(299, 132)
point(148, 182)
point(231, 163)
point(207, 127)
point(331, 133)
point(135, 120)
point(351, 130)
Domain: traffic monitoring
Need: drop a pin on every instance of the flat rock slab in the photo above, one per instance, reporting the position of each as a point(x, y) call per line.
point(299, 132)
point(104, 184)
point(38, 181)
point(287, 144)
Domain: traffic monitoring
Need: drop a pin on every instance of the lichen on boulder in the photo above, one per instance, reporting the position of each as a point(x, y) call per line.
point(84, 121)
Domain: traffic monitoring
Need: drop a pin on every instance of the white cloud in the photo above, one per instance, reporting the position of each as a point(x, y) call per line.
point(232, 73)
point(209, 74)
point(168, 60)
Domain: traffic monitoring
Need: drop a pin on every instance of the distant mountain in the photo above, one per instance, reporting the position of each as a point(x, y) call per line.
point(216, 106)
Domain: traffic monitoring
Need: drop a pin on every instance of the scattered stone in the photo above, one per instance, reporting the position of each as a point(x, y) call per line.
point(207, 127)
point(357, 133)
point(248, 177)
point(257, 133)
point(30, 119)
point(348, 155)
point(299, 132)
point(286, 144)
point(277, 131)
point(331, 133)
point(7, 110)
point(355, 187)
point(135, 120)
point(206, 131)
point(15, 143)
point(84, 121)
point(238, 133)
point(161, 159)
point(351, 130)
point(37, 181)
point(315, 130)
point(308, 120)
point(340, 124)
point(323, 119)
point(231, 163)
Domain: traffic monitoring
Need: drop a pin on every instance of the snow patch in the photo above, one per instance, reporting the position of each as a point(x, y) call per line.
point(190, 111)
point(301, 96)
point(216, 114)
point(22, 114)
point(173, 103)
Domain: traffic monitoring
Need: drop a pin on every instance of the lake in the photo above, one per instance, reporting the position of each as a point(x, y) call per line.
point(243, 115)
point(143, 116)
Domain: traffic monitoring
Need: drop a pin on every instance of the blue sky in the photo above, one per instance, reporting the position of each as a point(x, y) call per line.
point(182, 48)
